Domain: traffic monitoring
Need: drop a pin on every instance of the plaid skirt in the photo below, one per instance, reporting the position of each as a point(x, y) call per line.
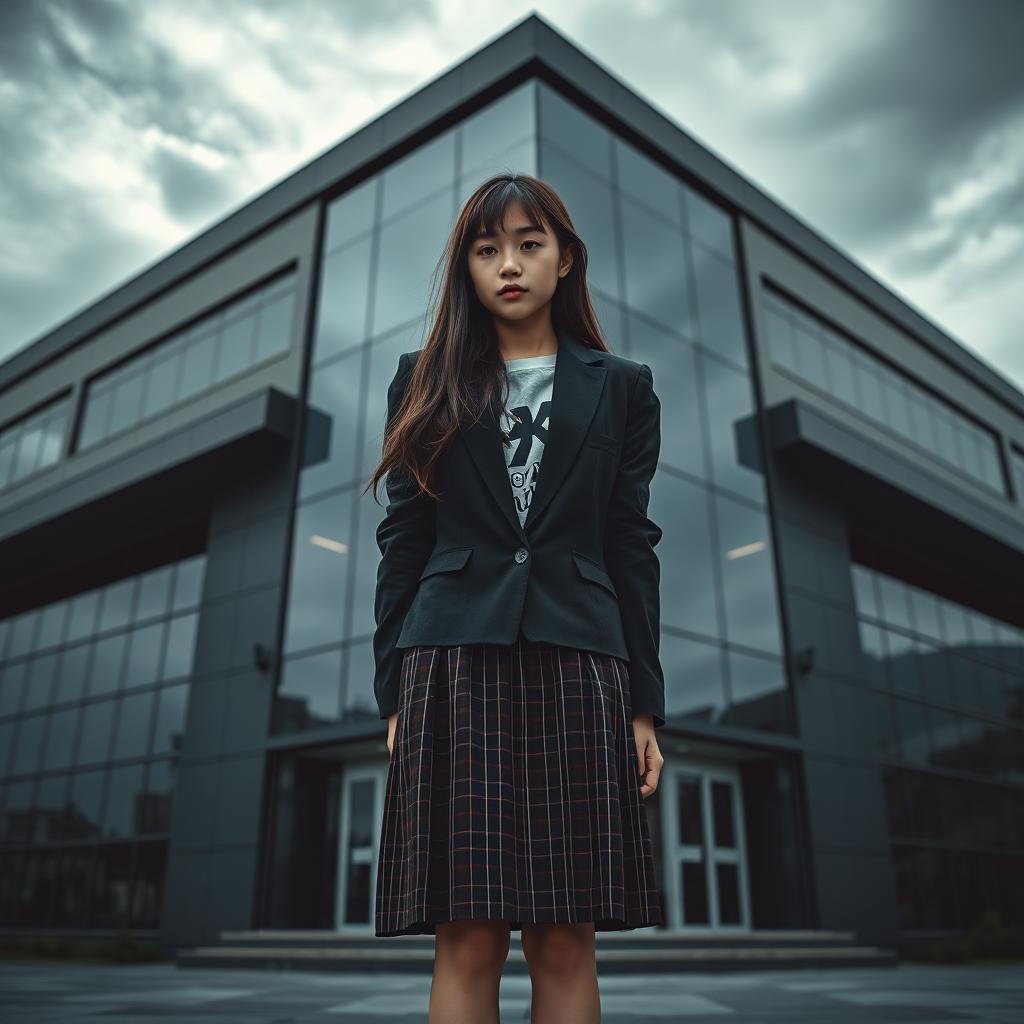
point(513, 793)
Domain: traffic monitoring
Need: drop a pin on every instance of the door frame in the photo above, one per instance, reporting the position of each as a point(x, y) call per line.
point(351, 773)
point(674, 853)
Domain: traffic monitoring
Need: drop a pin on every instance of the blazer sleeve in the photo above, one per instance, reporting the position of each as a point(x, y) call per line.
point(630, 540)
point(405, 537)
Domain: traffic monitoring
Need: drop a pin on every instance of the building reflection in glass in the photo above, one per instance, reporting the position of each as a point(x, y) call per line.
point(663, 274)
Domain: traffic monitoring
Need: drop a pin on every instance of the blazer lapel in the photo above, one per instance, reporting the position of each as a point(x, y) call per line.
point(576, 389)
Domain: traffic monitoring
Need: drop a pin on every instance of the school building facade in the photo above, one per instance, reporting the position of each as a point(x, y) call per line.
point(188, 735)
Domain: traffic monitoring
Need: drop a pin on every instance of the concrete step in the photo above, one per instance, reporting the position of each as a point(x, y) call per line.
point(649, 954)
point(646, 938)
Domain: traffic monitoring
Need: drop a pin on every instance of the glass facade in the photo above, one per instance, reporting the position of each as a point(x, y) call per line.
point(664, 279)
point(812, 350)
point(221, 345)
point(382, 242)
point(663, 276)
point(93, 695)
point(32, 444)
point(947, 681)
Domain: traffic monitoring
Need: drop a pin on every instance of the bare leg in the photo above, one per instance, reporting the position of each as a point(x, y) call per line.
point(563, 971)
point(469, 957)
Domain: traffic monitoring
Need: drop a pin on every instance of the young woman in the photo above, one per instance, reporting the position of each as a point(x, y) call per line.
point(517, 611)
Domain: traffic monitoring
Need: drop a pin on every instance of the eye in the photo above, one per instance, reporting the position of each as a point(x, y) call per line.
point(530, 241)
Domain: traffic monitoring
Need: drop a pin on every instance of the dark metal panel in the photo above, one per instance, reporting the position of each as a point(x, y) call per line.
point(875, 482)
point(178, 474)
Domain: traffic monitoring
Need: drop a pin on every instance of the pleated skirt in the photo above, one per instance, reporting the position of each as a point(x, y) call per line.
point(513, 793)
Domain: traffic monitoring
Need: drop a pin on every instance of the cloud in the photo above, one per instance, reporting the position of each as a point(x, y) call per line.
point(896, 130)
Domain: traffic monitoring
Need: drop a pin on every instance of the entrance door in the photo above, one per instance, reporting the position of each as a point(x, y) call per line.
point(704, 847)
point(362, 807)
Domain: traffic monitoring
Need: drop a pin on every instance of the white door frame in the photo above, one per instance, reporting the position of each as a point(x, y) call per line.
point(376, 771)
point(674, 853)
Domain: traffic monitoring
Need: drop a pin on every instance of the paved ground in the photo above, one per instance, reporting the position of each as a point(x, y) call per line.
point(165, 993)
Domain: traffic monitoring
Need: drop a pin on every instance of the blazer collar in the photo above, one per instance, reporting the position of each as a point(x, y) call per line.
point(576, 389)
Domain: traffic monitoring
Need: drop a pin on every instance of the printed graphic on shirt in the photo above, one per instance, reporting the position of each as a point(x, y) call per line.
point(525, 420)
point(529, 434)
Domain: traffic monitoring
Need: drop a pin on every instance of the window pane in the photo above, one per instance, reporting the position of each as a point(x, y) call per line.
point(351, 214)
point(332, 421)
point(590, 201)
point(97, 726)
point(718, 306)
point(427, 169)
point(136, 713)
point(656, 269)
point(274, 330)
point(489, 131)
point(123, 801)
point(575, 132)
point(410, 247)
point(321, 555)
point(341, 320)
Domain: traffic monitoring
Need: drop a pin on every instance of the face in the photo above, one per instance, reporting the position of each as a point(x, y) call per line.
point(523, 254)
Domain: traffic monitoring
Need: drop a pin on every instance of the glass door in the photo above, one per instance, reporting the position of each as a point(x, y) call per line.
point(704, 847)
point(362, 807)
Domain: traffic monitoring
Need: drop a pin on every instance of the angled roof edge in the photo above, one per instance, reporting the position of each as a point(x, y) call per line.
point(530, 47)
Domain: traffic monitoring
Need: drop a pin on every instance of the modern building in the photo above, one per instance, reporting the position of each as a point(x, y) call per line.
point(188, 735)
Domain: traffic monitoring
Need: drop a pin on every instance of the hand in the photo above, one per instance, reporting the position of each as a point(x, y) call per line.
point(392, 725)
point(649, 759)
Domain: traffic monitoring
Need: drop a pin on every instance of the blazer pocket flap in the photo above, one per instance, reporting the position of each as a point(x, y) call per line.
point(590, 570)
point(607, 442)
point(446, 561)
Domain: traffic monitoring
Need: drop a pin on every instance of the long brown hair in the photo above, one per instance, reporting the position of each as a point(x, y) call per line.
point(459, 372)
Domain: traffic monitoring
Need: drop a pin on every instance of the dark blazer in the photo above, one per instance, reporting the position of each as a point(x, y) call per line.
point(583, 572)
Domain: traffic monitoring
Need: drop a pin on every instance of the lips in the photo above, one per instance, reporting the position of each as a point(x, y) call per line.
point(512, 289)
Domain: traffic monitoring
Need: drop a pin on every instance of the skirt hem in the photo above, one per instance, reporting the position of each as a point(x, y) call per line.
point(428, 925)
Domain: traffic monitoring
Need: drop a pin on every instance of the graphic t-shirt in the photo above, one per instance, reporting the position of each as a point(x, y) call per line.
point(525, 420)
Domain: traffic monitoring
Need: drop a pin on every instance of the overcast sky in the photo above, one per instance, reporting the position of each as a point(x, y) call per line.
point(893, 127)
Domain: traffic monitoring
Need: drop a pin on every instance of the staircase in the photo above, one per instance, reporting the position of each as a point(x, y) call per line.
point(627, 953)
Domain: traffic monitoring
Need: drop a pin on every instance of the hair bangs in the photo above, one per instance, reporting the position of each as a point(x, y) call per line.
point(494, 203)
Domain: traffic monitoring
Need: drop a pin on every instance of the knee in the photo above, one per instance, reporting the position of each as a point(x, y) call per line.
point(559, 949)
point(473, 947)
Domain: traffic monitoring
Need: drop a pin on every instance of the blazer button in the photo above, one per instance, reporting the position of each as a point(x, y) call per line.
point(521, 555)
